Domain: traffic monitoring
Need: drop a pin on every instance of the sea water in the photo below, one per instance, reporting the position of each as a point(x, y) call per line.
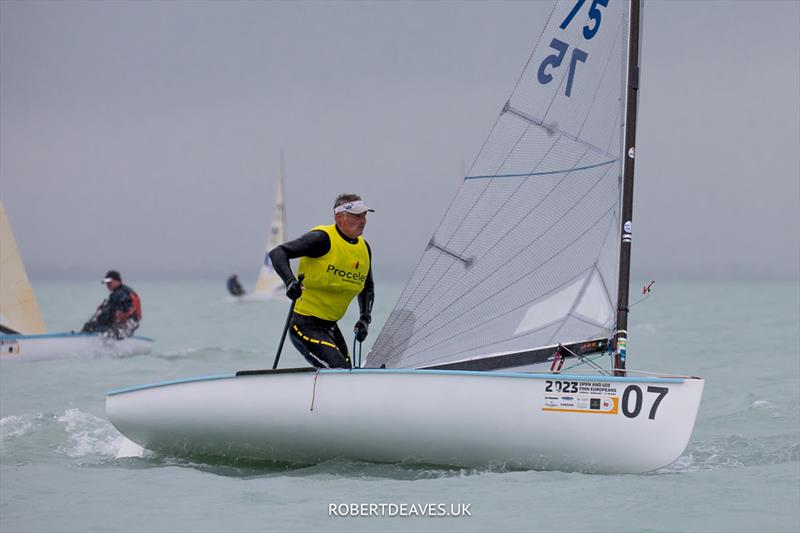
point(59, 469)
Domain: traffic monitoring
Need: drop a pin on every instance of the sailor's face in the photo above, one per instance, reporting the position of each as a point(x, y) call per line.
point(351, 224)
point(113, 284)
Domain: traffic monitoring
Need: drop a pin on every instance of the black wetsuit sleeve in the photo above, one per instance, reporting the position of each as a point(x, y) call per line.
point(315, 243)
point(367, 294)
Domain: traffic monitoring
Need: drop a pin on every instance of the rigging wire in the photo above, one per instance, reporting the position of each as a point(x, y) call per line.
point(585, 360)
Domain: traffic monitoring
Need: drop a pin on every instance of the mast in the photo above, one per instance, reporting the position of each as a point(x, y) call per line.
point(632, 95)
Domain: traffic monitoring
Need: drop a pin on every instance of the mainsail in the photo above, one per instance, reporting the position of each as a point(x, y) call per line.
point(527, 254)
point(18, 309)
point(268, 279)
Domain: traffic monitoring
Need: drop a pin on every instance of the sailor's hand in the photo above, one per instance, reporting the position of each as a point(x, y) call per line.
point(361, 328)
point(294, 290)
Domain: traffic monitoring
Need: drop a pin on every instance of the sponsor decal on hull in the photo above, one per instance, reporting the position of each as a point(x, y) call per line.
point(580, 397)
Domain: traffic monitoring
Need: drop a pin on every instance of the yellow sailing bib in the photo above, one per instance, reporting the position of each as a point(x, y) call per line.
point(334, 279)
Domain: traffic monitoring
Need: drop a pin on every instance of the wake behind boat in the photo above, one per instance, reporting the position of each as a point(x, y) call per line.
point(22, 329)
point(528, 269)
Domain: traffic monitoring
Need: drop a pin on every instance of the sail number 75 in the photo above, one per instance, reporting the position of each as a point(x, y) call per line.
point(554, 60)
point(633, 395)
point(594, 14)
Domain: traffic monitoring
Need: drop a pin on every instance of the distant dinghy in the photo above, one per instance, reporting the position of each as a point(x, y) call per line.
point(22, 329)
point(269, 285)
point(71, 344)
point(508, 345)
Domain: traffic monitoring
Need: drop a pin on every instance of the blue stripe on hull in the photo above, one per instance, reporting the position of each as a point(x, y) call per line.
point(20, 337)
point(166, 383)
point(574, 377)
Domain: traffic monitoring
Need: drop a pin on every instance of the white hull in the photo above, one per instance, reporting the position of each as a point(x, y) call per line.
point(470, 419)
point(60, 345)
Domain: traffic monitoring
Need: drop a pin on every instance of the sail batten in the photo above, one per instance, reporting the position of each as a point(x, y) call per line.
point(531, 174)
point(527, 254)
point(512, 224)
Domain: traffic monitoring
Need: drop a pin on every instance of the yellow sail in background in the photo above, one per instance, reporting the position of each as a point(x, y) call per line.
point(18, 308)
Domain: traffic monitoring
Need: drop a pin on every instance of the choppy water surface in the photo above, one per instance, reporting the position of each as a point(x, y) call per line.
point(740, 472)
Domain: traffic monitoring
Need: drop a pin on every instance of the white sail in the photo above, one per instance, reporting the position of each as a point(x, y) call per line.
point(18, 308)
point(527, 254)
point(268, 280)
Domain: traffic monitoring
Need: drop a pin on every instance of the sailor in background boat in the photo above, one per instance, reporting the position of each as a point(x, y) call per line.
point(120, 313)
point(234, 287)
point(335, 261)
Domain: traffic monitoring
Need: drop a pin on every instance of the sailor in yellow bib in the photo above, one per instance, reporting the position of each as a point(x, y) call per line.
point(336, 263)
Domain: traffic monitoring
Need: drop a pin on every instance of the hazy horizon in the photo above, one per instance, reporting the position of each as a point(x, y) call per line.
point(146, 136)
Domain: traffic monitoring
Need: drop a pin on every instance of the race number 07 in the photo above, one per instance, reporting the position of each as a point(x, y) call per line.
point(636, 392)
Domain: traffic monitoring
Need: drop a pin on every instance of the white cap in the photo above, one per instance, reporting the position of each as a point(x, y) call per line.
point(356, 207)
point(111, 275)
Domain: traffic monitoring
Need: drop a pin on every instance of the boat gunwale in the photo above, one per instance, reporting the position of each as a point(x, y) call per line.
point(23, 336)
point(517, 375)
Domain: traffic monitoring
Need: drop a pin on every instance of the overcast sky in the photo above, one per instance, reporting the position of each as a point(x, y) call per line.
point(145, 136)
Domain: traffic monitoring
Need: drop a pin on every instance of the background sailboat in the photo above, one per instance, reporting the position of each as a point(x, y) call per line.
point(22, 329)
point(269, 285)
point(19, 312)
point(529, 267)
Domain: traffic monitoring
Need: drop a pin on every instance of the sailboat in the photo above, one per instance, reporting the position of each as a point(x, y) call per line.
point(269, 285)
point(22, 329)
point(527, 272)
